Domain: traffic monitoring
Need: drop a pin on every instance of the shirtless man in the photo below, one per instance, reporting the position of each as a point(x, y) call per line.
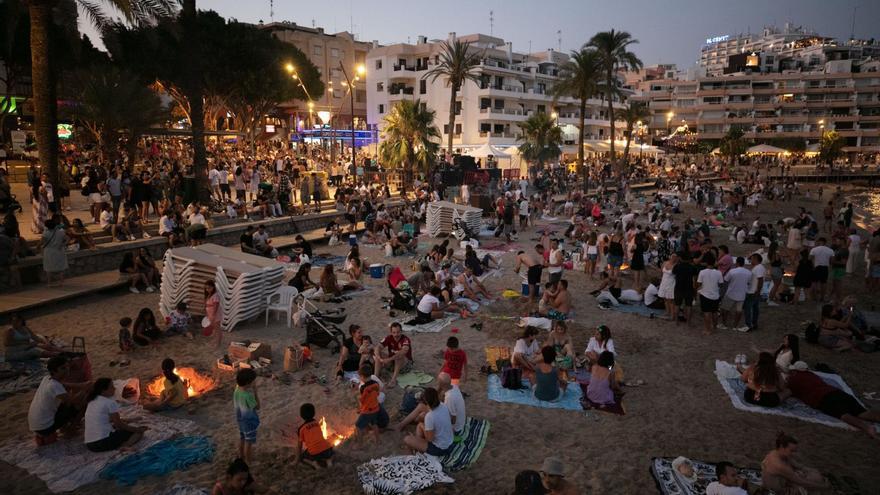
point(534, 268)
point(782, 474)
point(558, 302)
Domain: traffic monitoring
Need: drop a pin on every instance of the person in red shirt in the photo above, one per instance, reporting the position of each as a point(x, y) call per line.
point(395, 350)
point(311, 446)
point(813, 391)
point(371, 414)
point(454, 361)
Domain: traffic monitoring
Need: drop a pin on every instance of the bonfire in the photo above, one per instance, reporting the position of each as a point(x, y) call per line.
point(334, 437)
point(195, 382)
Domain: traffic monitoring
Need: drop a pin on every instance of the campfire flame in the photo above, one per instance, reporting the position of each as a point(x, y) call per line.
point(195, 382)
point(335, 438)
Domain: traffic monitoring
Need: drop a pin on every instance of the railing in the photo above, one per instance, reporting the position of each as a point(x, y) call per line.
point(514, 89)
point(398, 67)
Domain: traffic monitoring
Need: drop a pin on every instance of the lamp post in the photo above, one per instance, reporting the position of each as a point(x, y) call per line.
point(669, 120)
point(359, 71)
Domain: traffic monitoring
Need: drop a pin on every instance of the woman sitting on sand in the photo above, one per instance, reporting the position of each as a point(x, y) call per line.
point(330, 285)
point(765, 385)
point(781, 474)
point(174, 392)
point(238, 481)
point(302, 282)
point(548, 384)
point(603, 383)
point(788, 352)
point(105, 430)
point(600, 342)
point(145, 330)
point(21, 344)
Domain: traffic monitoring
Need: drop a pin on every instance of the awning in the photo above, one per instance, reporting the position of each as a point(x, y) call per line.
point(766, 148)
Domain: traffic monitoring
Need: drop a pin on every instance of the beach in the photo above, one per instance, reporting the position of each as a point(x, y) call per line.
point(680, 410)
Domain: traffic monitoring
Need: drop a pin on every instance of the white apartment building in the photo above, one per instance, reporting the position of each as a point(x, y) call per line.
point(512, 87)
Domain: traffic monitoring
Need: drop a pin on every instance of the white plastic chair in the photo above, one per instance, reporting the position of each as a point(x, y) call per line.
point(281, 301)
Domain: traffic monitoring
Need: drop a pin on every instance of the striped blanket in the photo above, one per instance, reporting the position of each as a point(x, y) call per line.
point(401, 475)
point(466, 452)
point(670, 482)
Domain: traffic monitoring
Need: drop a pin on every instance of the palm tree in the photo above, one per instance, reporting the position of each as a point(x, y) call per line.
point(541, 139)
point(614, 54)
point(831, 147)
point(634, 113)
point(43, 74)
point(732, 144)
point(409, 138)
point(579, 79)
point(457, 66)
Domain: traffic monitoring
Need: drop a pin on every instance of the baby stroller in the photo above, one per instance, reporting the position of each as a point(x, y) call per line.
point(402, 296)
point(460, 231)
point(321, 329)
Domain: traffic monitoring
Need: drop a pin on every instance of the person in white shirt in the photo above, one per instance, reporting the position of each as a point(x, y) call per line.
point(753, 297)
point(53, 406)
point(821, 257)
point(554, 267)
point(434, 436)
point(738, 280)
point(728, 482)
point(854, 246)
point(105, 430)
point(263, 243)
point(525, 352)
point(108, 222)
point(709, 288)
point(651, 296)
point(428, 308)
point(223, 179)
point(214, 179)
point(454, 401)
point(523, 213)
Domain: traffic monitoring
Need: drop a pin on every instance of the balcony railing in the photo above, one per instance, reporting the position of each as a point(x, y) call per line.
point(398, 67)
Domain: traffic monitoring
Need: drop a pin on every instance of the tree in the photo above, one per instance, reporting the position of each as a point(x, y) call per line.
point(541, 139)
point(614, 55)
point(113, 103)
point(831, 147)
point(14, 54)
point(457, 66)
point(634, 113)
point(43, 63)
point(579, 79)
point(408, 138)
point(732, 144)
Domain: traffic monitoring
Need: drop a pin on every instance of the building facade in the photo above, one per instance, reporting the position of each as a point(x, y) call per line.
point(512, 86)
point(330, 53)
point(781, 108)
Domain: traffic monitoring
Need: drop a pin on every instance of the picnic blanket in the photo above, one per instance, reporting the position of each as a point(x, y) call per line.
point(401, 475)
point(160, 459)
point(467, 451)
point(728, 376)
point(414, 379)
point(67, 465)
point(616, 408)
point(30, 374)
point(494, 353)
point(323, 259)
point(638, 309)
point(430, 327)
point(670, 482)
point(570, 400)
point(181, 489)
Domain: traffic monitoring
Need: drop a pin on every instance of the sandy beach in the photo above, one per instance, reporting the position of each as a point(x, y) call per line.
point(680, 410)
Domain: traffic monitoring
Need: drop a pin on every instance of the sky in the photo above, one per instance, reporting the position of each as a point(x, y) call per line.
point(669, 31)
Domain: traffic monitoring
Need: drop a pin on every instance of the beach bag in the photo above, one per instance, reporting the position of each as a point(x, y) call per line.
point(410, 400)
point(511, 378)
point(811, 332)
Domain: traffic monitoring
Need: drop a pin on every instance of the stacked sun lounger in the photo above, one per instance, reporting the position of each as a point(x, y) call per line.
point(441, 216)
point(243, 281)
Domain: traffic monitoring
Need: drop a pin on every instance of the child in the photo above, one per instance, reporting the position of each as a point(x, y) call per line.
point(126, 344)
point(371, 414)
point(174, 392)
point(247, 402)
point(311, 446)
point(179, 321)
point(454, 361)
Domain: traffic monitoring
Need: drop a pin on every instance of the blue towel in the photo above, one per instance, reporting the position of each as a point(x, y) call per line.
point(571, 400)
point(465, 452)
point(638, 309)
point(321, 260)
point(160, 459)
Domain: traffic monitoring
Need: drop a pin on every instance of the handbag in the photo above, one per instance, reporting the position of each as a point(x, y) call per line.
point(511, 378)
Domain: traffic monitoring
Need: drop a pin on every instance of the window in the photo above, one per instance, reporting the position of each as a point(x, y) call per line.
point(381, 108)
point(485, 103)
point(337, 93)
point(458, 108)
point(378, 63)
point(317, 50)
point(380, 86)
point(423, 86)
point(458, 129)
point(360, 96)
point(334, 52)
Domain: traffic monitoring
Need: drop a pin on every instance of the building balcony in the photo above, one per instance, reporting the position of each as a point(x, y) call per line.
point(507, 135)
point(398, 68)
point(738, 105)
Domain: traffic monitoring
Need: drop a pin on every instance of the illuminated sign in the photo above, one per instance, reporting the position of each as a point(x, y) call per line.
point(65, 131)
point(717, 39)
point(270, 128)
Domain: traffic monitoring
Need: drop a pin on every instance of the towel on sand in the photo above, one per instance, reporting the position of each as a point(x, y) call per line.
point(323, 259)
point(430, 327)
point(401, 475)
point(67, 465)
point(791, 407)
point(27, 376)
point(160, 459)
point(181, 489)
point(670, 482)
point(616, 408)
point(414, 379)
point(570, 400)
point(637, 309)
point(467, 451)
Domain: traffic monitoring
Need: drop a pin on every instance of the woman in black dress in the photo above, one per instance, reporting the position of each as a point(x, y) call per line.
point(803, 276)
point(637, 262)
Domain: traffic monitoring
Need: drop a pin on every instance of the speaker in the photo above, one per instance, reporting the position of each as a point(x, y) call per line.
point(452, 177)
point(465, 162)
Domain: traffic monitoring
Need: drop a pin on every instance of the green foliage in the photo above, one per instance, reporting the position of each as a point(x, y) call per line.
point(541, 139)
point(732, 144)
point(831, 147)
point(632, 114)
point(457, 65)
point(408, 138)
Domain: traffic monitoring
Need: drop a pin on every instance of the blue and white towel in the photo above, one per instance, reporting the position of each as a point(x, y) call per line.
point(570, 400)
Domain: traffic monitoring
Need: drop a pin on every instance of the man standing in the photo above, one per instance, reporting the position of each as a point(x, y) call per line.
point(534, 269)
point(753, 297)
point(738, 280)
point(820, 255)
point(709, 287)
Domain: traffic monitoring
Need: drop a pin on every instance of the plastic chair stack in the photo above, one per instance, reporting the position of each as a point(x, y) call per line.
point(441, 216)
point(243, 281)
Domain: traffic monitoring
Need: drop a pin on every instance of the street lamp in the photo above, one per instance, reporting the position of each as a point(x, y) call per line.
point(359, 71)
point(668, 120)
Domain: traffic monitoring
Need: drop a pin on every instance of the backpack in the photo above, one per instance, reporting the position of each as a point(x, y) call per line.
point(511, 378)
point(811, 332)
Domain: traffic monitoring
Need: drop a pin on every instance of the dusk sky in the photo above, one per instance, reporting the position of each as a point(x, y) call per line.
point(669, 31)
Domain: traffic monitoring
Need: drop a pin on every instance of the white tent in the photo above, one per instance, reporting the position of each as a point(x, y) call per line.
point(487, 150)
point(715, 151)
point(516, 161)
point(765, 148)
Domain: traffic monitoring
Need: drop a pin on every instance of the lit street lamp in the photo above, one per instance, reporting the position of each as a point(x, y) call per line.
point(360, 70)
point(669, 120)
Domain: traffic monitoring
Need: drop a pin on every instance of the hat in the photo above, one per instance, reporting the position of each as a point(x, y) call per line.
point(799, 366)
point(553, 467)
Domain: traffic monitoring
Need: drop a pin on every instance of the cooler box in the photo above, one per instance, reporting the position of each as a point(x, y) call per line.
point(352, 240)
point(525, 289)
point(377, 270)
